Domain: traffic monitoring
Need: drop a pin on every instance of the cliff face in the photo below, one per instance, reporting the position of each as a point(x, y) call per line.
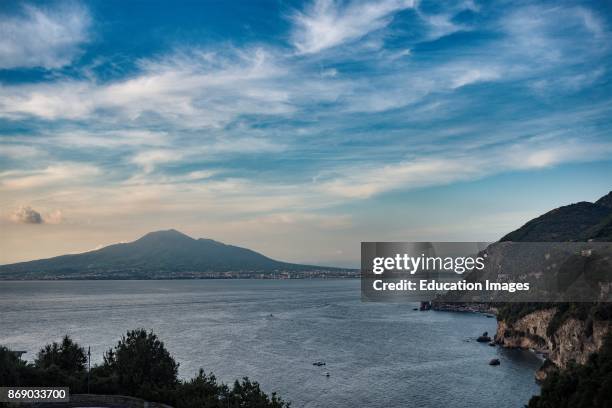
point(574, 340)
point(528, 332)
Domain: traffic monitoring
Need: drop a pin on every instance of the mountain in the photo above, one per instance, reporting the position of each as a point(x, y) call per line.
point(575, 222)
point(567, 333)
point(605, 201)
point(161, 254)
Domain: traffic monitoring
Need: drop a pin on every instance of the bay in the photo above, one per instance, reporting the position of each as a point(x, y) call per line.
point(376, 354)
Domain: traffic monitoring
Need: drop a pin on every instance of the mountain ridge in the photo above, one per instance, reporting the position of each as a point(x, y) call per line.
point(580, 221)
point(160, 255)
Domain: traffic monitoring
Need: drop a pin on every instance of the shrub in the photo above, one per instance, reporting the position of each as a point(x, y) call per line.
point(141, 364)
point(68, 356)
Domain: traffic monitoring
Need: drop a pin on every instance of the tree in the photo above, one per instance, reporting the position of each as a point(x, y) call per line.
point(248, 394)
point(67, 356)
point(141, 364)
point(11, 367)
point(200, 391)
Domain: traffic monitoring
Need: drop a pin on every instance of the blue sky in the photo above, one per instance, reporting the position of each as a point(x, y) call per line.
point(297, 129)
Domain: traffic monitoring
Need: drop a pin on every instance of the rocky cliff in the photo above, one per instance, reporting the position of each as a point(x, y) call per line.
point(574, 340)
point(561, 332)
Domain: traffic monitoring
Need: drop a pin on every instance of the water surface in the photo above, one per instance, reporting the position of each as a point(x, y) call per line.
point(378, 355)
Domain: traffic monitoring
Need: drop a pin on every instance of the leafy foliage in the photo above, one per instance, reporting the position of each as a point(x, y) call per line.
point(511, 312)
point(140, 366)
point(141, 363)
point(67, 356)
point(247, 394)
point(11, 367)
point(576, 222)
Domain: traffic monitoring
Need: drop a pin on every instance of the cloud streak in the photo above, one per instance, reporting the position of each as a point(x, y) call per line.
point(43, 37)
point(51, 176)
point(196, 89)
point(441, 170)
point(329, 23)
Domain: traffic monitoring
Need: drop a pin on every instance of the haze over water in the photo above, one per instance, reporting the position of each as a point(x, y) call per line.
point(378, 355)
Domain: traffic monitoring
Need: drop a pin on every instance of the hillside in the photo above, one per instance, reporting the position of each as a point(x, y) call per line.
point(575, 222)
point(566, 333)
point(161, 254)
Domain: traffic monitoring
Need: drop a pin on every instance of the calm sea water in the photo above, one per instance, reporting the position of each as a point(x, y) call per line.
point(378, 355)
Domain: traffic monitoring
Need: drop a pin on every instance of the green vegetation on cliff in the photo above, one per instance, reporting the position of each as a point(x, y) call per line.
point(580, 386)
point(511, 312)
point(575, 222)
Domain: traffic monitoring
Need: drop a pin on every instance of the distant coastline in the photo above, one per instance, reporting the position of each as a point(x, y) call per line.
point(318, 275)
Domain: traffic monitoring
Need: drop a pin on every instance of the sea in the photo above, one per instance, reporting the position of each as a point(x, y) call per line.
point(272, 331)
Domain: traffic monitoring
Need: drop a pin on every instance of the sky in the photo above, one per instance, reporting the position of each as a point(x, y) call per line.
point(297, 129)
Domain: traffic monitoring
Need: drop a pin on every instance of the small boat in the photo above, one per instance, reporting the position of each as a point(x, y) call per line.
point(318, 363)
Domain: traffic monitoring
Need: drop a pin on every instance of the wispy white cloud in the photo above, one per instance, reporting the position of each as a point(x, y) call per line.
point(195, 89)
point(63, 99)
point(48, 37)
point(448, 168)
point(474, 75)
point(19, 151)
point(51, 176)
point(113, 139)
point(440, 25)
point(211, 88)
point(328, 23)
point(148, 159)
point(537, 33)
